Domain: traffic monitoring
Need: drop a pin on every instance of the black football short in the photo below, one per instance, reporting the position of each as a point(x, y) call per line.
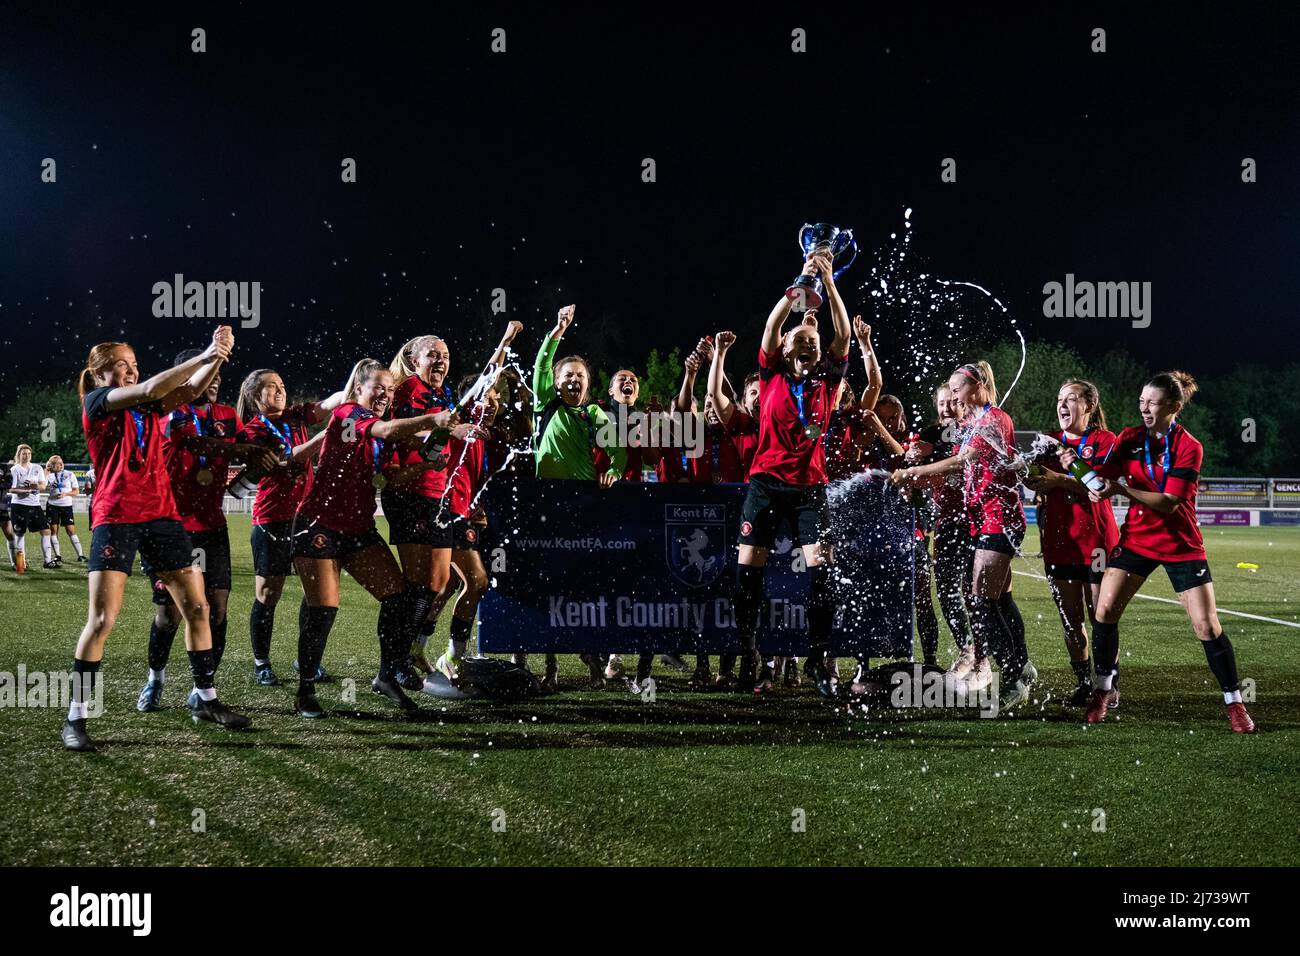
point(59, 516)
point(210, 553)
point(466, 536)
point(272, 546)
point(414, 519)
point(27, 518)
point(326, 544)
point(1075, 572)
point(163, 544)
point(1003, 542)
point(1183, 575)
point(770, 502)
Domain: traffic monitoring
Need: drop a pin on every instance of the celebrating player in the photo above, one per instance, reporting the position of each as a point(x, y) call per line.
point(199, 444)
point(270, 423)
point(787, 479)
point(27, 481)
point(335, 531)
point(1076, 533)
point(134, 510)
point(952, 539)
point(62, 490)
point(997, 522)
point(1160, 462)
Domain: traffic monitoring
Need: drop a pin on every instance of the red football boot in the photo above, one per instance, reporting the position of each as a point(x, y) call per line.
point(1098, 706)
point(1240, 720)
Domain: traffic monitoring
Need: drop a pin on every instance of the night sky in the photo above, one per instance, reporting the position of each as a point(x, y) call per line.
point(522, 171)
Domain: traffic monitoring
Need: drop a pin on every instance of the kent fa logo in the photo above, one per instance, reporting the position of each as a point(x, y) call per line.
point(103, 909)
point(695, 542)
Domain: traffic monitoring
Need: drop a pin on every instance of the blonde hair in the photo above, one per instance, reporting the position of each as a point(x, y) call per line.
point(19, 450)
point(49, 465)
point(360, 374)
point(246, 405)
point(101, 356)
point(403, 364)
point(982, 372)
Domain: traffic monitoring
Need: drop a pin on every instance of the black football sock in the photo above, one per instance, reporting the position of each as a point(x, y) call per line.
point(1015, 625)
point(203, 666)
point(1082, 671)
point(991, 633)
point(85, 675)
point(644, 663)
point(160, 646)
point(1223, 662)
point(397, 625)
point(420, 600)
point(748, 603)
point(460, 632)
point(927, 625)
point(314, 625)
point(218, 629)
point(821, 610)
point(1105, 649)
point(726, 664)
point(261, 625)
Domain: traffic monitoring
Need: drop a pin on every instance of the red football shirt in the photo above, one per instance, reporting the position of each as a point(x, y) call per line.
point(342, 494)
point(992, 487)
point(280, 491)
point(412, 399)
point(601, 461)
point(124, 495)
point(471, 472)
point(1073, 528)
point(199, 480)
point(785, 451)
point(1172, 537)
point(742, 438)
point(716, 461)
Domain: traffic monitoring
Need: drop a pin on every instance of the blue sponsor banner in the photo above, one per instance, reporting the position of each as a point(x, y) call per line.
point(650, 567)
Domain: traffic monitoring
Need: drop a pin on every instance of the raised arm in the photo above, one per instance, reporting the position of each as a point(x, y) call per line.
point(724, 405)
point(164, 384)
point(513, 328)
point(839, 314)
point(543, 373)
point(875, 381)
point(776, 318)
point(692, 365)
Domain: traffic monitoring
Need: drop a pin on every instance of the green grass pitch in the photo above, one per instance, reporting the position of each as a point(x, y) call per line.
point(601, 777)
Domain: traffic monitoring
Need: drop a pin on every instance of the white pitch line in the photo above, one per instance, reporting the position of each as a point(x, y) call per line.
point(1162, 600)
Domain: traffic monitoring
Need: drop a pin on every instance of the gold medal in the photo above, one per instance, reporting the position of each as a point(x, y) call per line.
point(204, 477)
point(380, 480)
point(813, 431)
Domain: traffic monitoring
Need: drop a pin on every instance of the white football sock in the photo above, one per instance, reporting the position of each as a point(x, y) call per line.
point(76, 545)
point(54, 543)
point(77, 711)
point(159, 676)
point(207, 693)
point(1232, 697)
point(46, 548)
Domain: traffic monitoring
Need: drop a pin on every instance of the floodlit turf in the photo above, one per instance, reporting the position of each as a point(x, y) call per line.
point(602, 777)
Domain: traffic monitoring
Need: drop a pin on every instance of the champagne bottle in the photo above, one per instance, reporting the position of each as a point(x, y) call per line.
point(1086, 476)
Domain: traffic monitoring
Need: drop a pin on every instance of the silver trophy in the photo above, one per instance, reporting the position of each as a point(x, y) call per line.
point(836, 244)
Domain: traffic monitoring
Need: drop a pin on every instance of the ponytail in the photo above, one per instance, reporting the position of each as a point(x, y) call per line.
point(403, 364)
point(247, 405)
point(981, 372)
point(101, 356)
point(360, 374)
point(1178, 385)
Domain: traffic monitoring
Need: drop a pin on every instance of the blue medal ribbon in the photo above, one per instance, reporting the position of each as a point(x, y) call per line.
point(796, 393)
point(1166, 459)
point(140, 430)
point(286, 436)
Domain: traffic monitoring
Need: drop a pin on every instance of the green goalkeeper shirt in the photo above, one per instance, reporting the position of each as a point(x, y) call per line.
point(564, 447)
